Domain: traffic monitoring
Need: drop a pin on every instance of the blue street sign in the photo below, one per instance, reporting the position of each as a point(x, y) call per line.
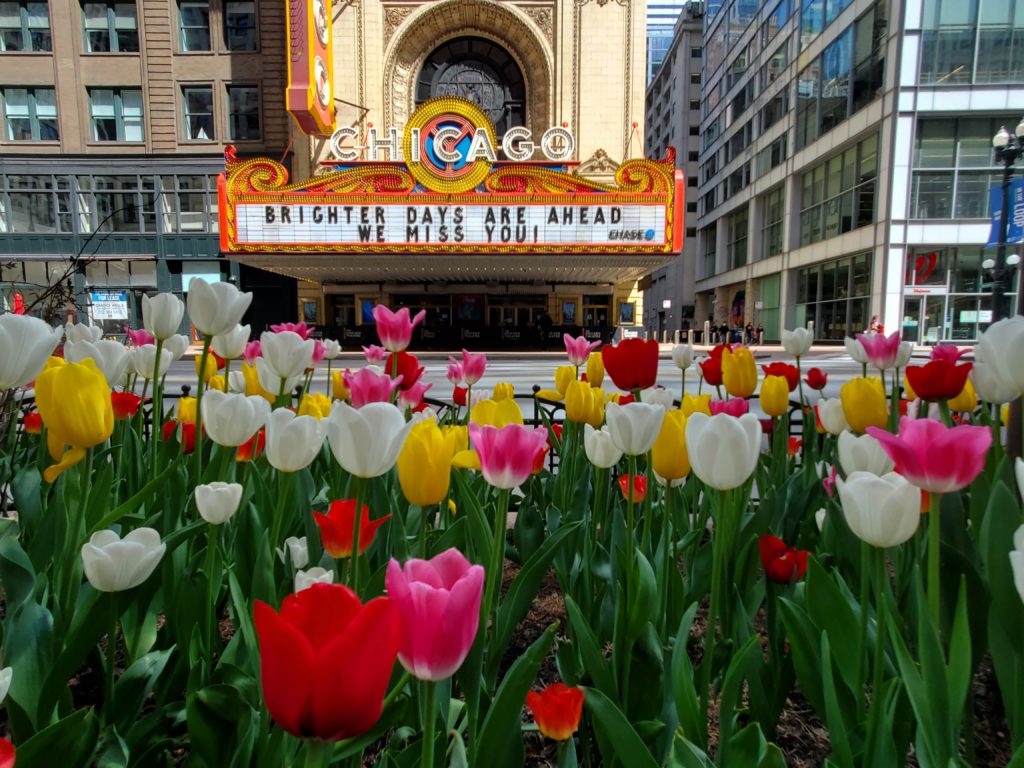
point(1015, 231)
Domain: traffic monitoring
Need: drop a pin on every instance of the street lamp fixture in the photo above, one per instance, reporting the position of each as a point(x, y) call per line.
point(1009, 148)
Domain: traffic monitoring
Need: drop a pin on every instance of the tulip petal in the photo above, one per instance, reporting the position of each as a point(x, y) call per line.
point(322, 614)
point(286, 670)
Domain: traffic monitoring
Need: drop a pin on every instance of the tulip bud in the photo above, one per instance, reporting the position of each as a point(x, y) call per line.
point(332, 349)
point(819, 519)
point(564, 376)
point(798, 341)
point(863, 454)
point(161, 314)
point(232, 419)
point(177, 345)
point(882, 511)
point(111, 357)
point(557, 710)
point(1017, 556)
point(297, 551)
point(317, 575)
point(366, 441)
point(634, 427)
point(217, 502)
point(830, 413)
point(723, 449)
point(425, 463)
point(74, 332)
point(966, 401)
point(143, 361)
point(696, 404)
point(292, 441)
point(113, 564)
point(25, 345)
point(595, 369)
point(503, 390)
point(864, 404)
point(739, 372)
point(231, 345)
point(774, 395)
point(5, 682)
point(670, 459)
point(682, 356)
point(1018, 469)
point(600, 448)
point(855, 350)
point(216, 308)
point(659, 396)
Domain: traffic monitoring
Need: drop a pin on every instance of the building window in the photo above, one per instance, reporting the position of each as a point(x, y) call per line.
point(770, 293)
point(37, 203)
point(691, 231)
point(123, 203)
point(773, 213)
point(736, 238)
point(197, 102)
point(839, 195)
point(110, 28)
point(965, 41)
point(776, 20)
point(695, 52)
point(189, 203)
point(775, 66)
point(691, 181)
point(695, 130)
point(25, 27)
point(695, 78)
point(194, 21)
point(694, 104)
point(709, 241)
point(835, 296)
point(30, 114)
point(244, 113)
point(771, 156)
point(240, 26)
point(954, 167)
point(693, 157)
point(116, 114)
point(691, 207)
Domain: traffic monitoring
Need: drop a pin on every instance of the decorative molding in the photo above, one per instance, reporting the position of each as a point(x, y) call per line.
point(627, 82)
point(393, 18)
point(598, 164)
point(543, 17)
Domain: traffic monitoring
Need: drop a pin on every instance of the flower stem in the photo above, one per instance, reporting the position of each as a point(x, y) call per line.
point(429, 716)
point(393, 693)
point(198, 459)
point(283, 479)
point(880, 617)
point(318, 753)
point(493, 577)
point(359, 488)
point(158, 406)
point(108, 687)
point(800, 383)
point(934, 523)
point(212, 589)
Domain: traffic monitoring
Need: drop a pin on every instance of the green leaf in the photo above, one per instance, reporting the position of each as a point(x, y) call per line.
point(68, 743)
point(628, 748)
point(644, 605)
point(136, 683)
point(837, 725)
point(501, 740)
point(222, 727)
point(136, 501)
point(593, 660)
point(16, 572)
point(831, 612)
point(732, 688)
point(691, 718)
point(479, 528)
point(805, 651)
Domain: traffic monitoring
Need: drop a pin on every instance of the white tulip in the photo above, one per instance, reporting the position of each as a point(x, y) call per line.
point(798, 341)
point(111, 357)
point(659, 396)
point(287, 353)
point(904, 353)
point(332, 349)
point(113, 564)
point(236, 382)
point(366, 441)
point(5, 681)
point(216, 308)
point(231, 345)
point(855, 350)
point(999, 348)
point(863, 454)
point(143, 361)
point(317, 575)
point(882, 511)
point(81, 332)
point(297, 550)
point(292, 441)
point(25, 345)
point(723, 449)
point(670, 483)
point(161, 314)
point(177, 345)
point(271, 380)
point(600, 448)
point(635, 426)
point(1018, 470)
point(987, 386)
point(1017, 559)
point(218, 502)
point(232, 419)
point(832, 417)
point(682, 356)
point(819, 519)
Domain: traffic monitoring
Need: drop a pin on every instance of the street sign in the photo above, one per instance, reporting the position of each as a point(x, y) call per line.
point(1015, 231)
point(110, 305)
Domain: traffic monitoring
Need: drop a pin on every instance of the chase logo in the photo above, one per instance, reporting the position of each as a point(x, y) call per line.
point(443, 130)
point(649, 234)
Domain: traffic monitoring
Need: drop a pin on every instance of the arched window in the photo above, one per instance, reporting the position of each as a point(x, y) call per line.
point(481, 71)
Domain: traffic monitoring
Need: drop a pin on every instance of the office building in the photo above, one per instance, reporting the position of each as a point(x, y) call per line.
point(662, 16)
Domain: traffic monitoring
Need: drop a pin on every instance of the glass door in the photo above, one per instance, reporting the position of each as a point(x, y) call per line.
point(933, 320)
point(911, 330)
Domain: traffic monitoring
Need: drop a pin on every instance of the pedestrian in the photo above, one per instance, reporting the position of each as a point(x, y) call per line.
point(748, 334)
point(874, 326)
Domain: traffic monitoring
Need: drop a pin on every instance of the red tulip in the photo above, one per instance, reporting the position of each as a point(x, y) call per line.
point(557, 710)
point(816, 379)
point(336, 528)
point(187, 436)
point(718, 349)
point(32, 423)
point(948, 352)
point(711, 370)
point(126, 404)
point(539, 459)
point(817, 421)
point(6, 754)
point(639, 487)
point(326, 660)
point(938, 380)
point(767, 426)
point(632, 363)
point(459, 395)
point(555, 436)
point(251, 450)
point(409, 369)
point(794, 446)
point(626, 399)
point(789, 372)
point(782, 564)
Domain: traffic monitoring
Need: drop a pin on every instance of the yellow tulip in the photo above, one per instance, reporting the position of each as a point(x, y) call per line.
point(1004, 414)
point(425, 464)
point(864, 403)
point(252, 383)
point(468, 459)
point(908, 391)
point(966, 401)
point(218, 382)
point(774, 395)
point(497, 413)
point(595, 369)
point(550, 394)
point(503, 390)
point(670, 458)
point(452, 508)
point(211, 367)
point(696, 404)
point(315, 404)
point(584, 403)
point(564, 376)
point(459, 435)
point(185, 412)
point(339, 389)
point(739, 372)
point(74, 402)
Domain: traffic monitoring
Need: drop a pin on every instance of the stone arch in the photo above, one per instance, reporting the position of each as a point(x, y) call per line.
point(436, 23)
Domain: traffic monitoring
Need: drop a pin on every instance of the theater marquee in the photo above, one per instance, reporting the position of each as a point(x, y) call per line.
point(451, 200)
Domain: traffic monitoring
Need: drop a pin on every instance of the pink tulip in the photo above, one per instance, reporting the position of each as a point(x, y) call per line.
point(507, 454)
point(439, 602)
point(829, 482)
point(455, 374)
point(365, 386)
point(579, 349)
point(948, 352)
point(881, 350)
point(936, 458)
point(735, 407)
point(375, 355)
point(395, 328)
point(252, 351)
point(472, 367)
point(140, 337)
point(413, 397)
point(319, 351)
point(300, 328)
